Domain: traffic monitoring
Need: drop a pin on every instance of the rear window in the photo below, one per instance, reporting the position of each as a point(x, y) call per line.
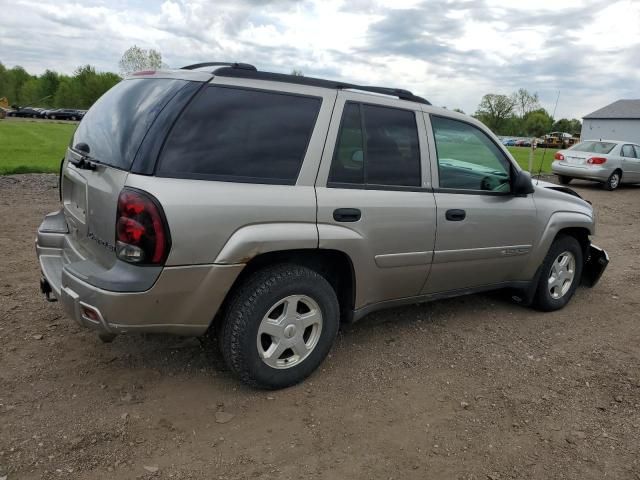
point(115, 125)
point(593, 147)
point(241, 135)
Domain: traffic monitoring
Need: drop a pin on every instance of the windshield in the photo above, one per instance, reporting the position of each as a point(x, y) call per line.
point(116, 124)
point(593, 147)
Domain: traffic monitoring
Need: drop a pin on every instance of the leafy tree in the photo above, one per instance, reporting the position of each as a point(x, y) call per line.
point(29, 92)
point(47, 86)
point(65, 96)
point(136, 59)
point(494, 109)
point(537, 123)
point(570, 126)
point(459, 110)
point(297, 73)
point(525, 102)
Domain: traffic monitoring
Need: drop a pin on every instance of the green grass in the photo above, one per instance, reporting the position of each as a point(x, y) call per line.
point(32, 147)
point(521, 154)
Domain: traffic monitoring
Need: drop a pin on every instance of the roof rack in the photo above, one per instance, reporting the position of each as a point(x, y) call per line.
point(243, 66)
point(244, 70)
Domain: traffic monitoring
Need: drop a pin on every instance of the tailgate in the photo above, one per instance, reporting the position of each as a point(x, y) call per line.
point(90, 200)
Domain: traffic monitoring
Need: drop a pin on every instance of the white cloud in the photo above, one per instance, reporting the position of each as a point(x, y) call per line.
point(450, 51)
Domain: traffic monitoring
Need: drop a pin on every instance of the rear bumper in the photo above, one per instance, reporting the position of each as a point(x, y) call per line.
point(593, 172)
point(182, 300)
point(594, 266)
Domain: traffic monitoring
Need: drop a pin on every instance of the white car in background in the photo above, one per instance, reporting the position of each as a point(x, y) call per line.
point(610, 162)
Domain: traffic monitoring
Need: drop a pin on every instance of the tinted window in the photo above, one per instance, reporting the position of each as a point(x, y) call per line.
point(385, 153)
point(348, 157)
point(628, 151)
point(467, 158)
point(593, 147)
point(115, 125)
point(241, 135)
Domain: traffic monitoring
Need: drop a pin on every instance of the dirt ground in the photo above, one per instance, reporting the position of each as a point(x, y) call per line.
point(469, 388)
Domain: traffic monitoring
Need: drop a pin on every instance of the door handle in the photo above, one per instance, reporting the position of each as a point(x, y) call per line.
point(347, 214)
point(455, 215)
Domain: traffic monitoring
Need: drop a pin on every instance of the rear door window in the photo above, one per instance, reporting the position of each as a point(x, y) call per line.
point(628, 151)
point(115, 125)
point(241, 135)
point(376, 146)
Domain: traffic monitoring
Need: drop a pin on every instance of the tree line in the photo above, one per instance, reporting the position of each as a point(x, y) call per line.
point(53, 89)
point(520, 114)
point(80, 90)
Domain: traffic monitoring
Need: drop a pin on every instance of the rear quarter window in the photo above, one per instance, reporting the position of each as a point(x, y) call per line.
point(241, 135)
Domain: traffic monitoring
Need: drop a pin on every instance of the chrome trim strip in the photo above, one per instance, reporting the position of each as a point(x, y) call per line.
point(407, 259)
point(470, 254)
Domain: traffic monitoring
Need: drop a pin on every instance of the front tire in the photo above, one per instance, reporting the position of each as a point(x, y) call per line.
point(564, 180)
point(560, 274)
point(279, 326)
point(613, 181)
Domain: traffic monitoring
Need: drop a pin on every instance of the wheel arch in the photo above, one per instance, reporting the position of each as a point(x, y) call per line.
point(334, 265)
point(581, 234)
point(577, 224)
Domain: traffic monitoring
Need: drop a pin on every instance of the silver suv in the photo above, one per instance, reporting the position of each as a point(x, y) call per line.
point(268, 208)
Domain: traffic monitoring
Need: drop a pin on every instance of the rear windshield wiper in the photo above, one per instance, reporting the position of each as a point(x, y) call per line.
point(86, 161)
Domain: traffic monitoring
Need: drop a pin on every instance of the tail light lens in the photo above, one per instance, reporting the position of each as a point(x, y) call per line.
point(142, 234)
point(558, 156)
point(596, 160)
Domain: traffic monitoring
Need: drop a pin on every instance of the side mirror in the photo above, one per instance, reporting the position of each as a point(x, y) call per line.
point(522, 184)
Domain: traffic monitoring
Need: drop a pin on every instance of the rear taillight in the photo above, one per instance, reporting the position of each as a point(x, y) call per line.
point(596, 160)
point(142, 234)
point(558, 156)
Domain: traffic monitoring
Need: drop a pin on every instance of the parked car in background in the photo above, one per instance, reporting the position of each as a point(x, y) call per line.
point(65, 114)
point(25, 112)
point(509, 142)
point(610, 162)
point(523, 142)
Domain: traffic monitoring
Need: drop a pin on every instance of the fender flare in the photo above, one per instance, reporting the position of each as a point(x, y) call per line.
point(253, 240)
point(557, 222)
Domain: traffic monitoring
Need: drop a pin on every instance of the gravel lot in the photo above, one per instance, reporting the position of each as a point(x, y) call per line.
point(468, 388)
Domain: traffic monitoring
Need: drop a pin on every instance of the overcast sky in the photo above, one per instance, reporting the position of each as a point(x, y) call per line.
point(449, 51)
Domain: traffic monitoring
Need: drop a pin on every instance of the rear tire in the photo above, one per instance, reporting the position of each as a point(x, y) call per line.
point(613, 181)
point(564, 180)
point(560, 274)
point(299, 310)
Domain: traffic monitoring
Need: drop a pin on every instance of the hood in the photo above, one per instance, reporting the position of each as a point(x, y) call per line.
point(560, 193)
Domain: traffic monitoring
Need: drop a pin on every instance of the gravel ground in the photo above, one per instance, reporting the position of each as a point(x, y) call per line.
point(468, 388)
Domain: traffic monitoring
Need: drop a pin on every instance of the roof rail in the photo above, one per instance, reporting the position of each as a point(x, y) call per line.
point(244, 70)
point(243, 66)
point(394, 92)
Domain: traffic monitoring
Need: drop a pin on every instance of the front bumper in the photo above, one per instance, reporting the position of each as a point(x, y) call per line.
point(594, 265)
point(182, 300)
point(590, 172)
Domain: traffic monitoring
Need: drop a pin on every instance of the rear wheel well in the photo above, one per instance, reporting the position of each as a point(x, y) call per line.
point(334, 265)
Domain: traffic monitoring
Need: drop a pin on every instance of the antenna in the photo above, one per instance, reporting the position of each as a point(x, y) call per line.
point(545, 145)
